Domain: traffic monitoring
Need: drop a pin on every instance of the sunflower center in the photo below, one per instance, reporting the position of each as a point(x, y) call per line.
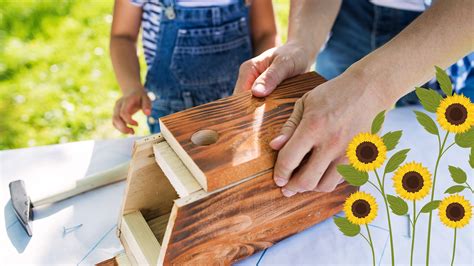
point(455, 211)
point(412, 182)
point(360, 208)
point(367, 152)
point(456, 114)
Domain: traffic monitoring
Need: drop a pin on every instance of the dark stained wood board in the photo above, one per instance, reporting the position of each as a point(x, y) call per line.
point(244, 124)
point(241, 220)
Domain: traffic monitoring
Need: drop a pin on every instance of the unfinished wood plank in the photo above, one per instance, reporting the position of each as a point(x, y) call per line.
point(147, 189)
point(158, 226)
point(182, 180)
point(241, 127)
point(140, 240)
point(239, 221)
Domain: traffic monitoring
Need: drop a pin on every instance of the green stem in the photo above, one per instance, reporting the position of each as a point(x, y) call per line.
point(454, 247)
point(371, 244)
point(388, 217)
point(440, 153)
point(413, 235)
point(447, 148)
point(370, 182)
point(470, 188)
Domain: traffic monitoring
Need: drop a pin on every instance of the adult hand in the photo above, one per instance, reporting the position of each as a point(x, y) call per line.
point(264, 72)
point(127, 106)
point(322, 124)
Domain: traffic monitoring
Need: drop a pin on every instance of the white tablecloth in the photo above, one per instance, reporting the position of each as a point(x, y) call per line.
point(50, 167)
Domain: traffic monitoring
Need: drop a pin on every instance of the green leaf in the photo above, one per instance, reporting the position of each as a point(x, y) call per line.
point(430, 206)
point(395, 161)
point(444, 81)
point(377, 122)
point(455, 189)
point(391, 139)
point(397, 205)
point(466, 139)
point(427, 122)
point(346, 227)
point(429, 98)
point(471, 158)
point(457, 174)
point(352, 175)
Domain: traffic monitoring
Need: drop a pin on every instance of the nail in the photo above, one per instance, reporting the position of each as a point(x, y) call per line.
point(280, 181)
point(287, 193)
point(278, 142)
point(259, 88)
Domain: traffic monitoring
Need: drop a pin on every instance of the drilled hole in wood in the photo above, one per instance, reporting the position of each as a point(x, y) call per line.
point(204, 137)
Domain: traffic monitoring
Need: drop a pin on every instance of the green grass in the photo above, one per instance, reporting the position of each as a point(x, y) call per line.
point(56, 79)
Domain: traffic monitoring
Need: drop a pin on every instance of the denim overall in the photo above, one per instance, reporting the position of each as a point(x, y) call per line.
point(200, 50)
point(360, 28)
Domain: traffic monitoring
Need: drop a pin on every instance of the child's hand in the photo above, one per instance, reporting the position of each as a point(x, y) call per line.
point(127, 106)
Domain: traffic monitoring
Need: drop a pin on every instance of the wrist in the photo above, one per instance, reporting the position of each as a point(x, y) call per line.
point(376, 83)
point(132, 89)
point(308, 50)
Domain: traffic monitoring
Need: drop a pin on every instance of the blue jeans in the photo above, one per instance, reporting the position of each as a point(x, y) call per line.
point(359, 29)
point(198, 58)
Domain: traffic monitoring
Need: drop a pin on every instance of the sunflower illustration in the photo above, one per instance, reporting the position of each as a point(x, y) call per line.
point(455, 114)
point(360, 208)
point(366, 152)
point(412, 181)
point(455, 211)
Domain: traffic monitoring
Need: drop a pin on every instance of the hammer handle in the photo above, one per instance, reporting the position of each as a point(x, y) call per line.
point(88, 183)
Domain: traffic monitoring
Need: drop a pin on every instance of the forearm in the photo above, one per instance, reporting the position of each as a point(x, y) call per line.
point(310, 23)
point(264, 43)
point(125, 62)
point(440, 36)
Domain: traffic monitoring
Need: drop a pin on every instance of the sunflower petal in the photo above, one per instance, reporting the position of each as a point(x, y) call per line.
point(429, 98)
point(346, 227)
point(430, 206)
point(454, 189)
point(444, 81)
point(397, 205)
point(427, 123)
point(457, 174)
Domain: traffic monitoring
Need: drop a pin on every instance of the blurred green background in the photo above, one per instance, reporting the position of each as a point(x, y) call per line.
point(56, 79)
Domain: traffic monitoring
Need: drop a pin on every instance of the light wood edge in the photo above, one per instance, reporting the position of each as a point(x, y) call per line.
point(183, 155)
point(166, 238)
point(139, 238)
point(179, 176)
point(122, 259)
point(152, 138)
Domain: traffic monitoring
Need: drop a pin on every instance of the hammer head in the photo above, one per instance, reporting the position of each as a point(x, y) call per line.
point(21, 204)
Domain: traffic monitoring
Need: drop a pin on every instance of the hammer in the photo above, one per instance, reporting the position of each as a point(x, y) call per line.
point(23, 205)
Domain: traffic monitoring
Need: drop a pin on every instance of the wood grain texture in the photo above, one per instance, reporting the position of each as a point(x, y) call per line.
point(244, 125)
point(158, 226)
point(239, 221)
point(147, 189)
point(182, 180)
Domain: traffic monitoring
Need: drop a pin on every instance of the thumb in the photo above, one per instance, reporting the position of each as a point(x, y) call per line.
point(270, 78)
point(290, 126)
point(146, 104)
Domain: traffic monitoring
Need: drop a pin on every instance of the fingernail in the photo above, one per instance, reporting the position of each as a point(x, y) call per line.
point(280, 181)
point(278, 142)
point(259, 88)
point(287, 193)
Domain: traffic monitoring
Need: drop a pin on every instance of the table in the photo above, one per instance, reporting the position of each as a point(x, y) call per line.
point(92, 217)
